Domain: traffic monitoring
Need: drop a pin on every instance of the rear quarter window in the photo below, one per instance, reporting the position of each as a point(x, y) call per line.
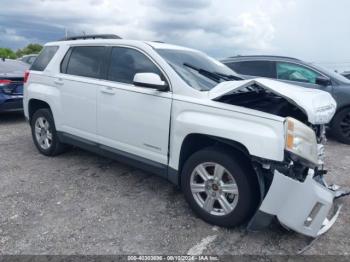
point(44, 58)
point(254, 68)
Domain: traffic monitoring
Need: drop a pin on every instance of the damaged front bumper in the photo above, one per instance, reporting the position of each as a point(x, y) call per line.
point(306, 207)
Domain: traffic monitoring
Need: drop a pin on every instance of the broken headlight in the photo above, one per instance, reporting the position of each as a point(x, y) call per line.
point(301, 140)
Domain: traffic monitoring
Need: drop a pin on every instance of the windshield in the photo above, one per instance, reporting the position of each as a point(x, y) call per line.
point(195, 68)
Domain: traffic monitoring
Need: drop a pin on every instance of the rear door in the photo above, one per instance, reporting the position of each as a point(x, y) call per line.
point(81, 71)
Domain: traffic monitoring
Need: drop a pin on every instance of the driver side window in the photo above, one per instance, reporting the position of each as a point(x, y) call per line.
point(293, 72)
point(126, 62)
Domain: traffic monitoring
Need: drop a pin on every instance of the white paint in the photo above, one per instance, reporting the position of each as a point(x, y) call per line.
point(305, 196)
point(201, 246)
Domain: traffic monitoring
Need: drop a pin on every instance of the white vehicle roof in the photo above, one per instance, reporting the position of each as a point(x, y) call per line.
point(156, 45)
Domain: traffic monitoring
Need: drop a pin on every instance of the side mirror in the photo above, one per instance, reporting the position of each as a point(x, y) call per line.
point(323, 81)
point(150, 80)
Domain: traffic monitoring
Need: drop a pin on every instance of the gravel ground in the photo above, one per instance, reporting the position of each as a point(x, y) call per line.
point(80, 203)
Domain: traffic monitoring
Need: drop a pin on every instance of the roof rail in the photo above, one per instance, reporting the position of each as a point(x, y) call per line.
point(83, 37)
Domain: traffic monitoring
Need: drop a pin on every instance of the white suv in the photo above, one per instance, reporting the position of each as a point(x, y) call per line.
point(241, 150)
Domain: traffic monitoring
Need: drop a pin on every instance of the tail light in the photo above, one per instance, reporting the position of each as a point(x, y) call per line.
point(26, 76)
point(4, 82)
point(5, 86)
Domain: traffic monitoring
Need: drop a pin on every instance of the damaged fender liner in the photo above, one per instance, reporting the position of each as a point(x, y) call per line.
point(304, 209)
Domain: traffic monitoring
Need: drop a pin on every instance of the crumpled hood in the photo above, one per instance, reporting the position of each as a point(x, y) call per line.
point(319, 106)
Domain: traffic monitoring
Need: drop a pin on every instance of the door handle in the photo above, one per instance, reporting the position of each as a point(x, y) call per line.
point(108, 90)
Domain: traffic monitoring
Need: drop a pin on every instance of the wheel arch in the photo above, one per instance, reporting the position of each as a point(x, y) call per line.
point(195, 142)
point(36, 104)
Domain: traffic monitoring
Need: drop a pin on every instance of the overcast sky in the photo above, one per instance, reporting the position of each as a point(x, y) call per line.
point(313, 30)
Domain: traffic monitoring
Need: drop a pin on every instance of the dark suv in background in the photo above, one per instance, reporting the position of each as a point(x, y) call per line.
point(298, 72)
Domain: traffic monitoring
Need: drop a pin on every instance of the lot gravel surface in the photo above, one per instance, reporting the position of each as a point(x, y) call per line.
point(81, 203)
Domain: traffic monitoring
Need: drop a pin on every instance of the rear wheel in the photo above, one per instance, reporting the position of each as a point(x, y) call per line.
point(341, 126)
point(219, 188)
point(44, 133)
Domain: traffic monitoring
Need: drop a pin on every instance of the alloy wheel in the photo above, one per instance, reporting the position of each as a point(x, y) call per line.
point(214, 188)
point(43, 133)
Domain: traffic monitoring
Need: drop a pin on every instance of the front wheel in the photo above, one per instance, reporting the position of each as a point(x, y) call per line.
point(220, 189)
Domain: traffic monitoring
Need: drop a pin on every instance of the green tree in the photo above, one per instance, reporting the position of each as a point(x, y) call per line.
point(7, 53)
point(29, 49)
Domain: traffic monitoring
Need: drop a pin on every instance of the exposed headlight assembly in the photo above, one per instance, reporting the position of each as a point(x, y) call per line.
point(301, 140)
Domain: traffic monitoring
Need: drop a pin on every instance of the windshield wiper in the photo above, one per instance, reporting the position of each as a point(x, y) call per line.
point(213, 76)
point(230, 77)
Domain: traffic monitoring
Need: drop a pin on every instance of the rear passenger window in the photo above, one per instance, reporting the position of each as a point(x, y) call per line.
point(126, 62)
point(254, 68)
point(84, 61)
point(44, 58)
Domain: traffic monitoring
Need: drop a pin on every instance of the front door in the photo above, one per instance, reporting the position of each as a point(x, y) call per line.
point(132, 119)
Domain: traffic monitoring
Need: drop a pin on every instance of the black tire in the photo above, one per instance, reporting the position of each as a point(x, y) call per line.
point(56, 146)
point(340, 128)
point(244, 177)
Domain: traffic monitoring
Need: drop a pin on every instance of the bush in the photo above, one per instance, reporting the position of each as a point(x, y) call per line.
point(29, 49)
point(7, 53)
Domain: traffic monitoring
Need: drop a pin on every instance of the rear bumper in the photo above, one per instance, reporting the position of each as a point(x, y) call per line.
point(305, 207)
point(12, 104)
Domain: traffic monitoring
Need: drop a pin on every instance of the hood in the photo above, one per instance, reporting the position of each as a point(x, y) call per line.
point(319, 106)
